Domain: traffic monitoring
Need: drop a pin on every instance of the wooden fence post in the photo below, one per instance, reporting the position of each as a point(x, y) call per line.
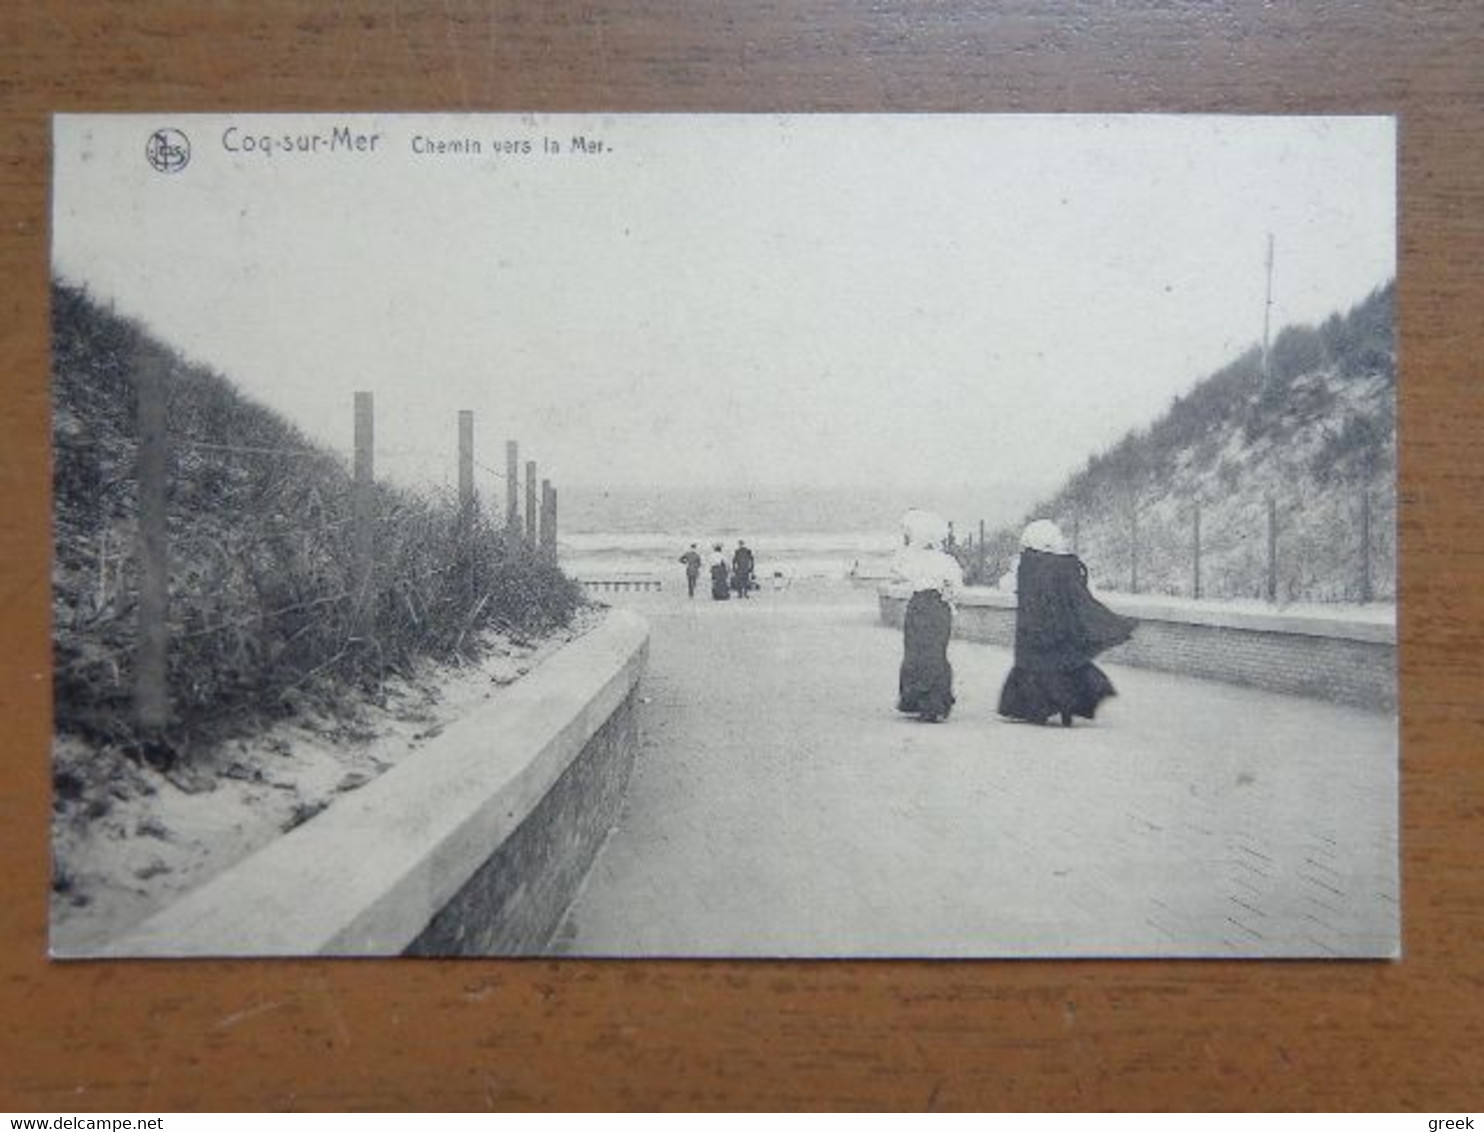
point(152, 633)
point(1366, 593)
point(531, 504)
point(548, 519)
point(363, 505)
point(1195, 570)
point(512, 486)
point(983, 581)
point(1133, 546)
point(1272, 550)
point(466, 461)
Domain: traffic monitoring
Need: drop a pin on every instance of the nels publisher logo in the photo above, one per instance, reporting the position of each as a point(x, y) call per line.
point(169, 151)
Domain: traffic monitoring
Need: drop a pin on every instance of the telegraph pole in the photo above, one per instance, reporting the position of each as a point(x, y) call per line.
point(1267, 314)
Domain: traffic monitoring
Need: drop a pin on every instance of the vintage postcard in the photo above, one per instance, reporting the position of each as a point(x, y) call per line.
point(724, 535)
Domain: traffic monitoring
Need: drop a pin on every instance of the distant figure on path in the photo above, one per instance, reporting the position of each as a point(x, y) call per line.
point(720, 591)
point(925, 682)
point(692, 562)
point(742, 567)
point(1006, 583)
point(1059, 628)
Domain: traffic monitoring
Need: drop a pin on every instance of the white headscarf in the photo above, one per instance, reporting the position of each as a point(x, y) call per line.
point(924, 529)
point(921, 564)
point(1045, 536)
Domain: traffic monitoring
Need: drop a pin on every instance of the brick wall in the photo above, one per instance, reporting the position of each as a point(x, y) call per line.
point(515, 900)
point(1340, 659)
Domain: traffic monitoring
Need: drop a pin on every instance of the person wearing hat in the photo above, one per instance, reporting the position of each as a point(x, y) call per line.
point(1059, 628)
point(743, 565)
point(925, 680)
point(691, 559)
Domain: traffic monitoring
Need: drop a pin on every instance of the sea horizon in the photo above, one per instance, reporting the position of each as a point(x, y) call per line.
point(815, 531)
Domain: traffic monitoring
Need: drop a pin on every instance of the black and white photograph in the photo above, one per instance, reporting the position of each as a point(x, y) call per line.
point(724, 535)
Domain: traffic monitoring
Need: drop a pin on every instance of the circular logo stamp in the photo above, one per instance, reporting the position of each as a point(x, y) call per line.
point(169, 151)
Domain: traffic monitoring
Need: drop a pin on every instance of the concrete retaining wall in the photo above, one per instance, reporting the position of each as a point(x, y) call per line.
point(475, 845)
point(1349, 660)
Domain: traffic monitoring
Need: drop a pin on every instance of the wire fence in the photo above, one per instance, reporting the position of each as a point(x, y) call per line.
point(1335, 544)
point(212, 564)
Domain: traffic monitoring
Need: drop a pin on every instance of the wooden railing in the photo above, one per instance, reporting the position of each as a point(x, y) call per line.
point(617, 583)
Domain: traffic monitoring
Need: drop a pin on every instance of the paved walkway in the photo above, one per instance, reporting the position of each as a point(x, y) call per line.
point(781, 807)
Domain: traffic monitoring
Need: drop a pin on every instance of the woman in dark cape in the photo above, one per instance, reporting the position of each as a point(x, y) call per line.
point(721, 589)
point(1059, 628)
point(925, 680)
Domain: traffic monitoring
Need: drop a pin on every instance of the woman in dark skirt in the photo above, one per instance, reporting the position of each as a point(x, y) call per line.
point(925, 682)
point(1059, 628)
point(721, 589)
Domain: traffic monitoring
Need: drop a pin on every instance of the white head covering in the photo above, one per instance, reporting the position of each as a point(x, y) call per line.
point(1045, 536)
point(924, 529)
point(921, 564)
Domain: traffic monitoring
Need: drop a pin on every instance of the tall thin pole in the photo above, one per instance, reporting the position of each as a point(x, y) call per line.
point(1366, 593)
point(1195, 569)
point(152, 640)
point(1272, 549)
point(1267, 313)
point(548, 519)
point(512, 485)
point(531, 504)
point(982, 579)
point(1133, 546)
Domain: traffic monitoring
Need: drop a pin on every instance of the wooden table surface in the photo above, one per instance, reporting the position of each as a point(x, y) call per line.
point(372, 1034)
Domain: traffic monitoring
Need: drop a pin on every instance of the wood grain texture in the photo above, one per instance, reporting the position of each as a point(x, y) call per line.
point(164, 1035)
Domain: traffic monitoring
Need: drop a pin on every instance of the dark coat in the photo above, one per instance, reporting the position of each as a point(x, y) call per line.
point(719, 587)
point(1059, 628)
point(925, 680)
point(1059, 625)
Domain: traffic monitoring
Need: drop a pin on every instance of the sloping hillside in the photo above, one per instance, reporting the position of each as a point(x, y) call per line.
point(262, 620)
point(1314, 438)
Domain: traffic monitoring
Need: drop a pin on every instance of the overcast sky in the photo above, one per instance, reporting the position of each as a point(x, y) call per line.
point(738, 299)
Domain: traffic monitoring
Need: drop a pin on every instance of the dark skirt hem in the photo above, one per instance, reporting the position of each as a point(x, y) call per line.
point(1036, 696)
point(925, 683)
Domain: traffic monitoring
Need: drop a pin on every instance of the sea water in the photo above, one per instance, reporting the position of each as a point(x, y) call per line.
point(832, 532)
point(804, 554)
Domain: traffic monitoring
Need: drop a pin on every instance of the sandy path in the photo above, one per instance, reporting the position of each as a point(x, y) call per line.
point(780, 806)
